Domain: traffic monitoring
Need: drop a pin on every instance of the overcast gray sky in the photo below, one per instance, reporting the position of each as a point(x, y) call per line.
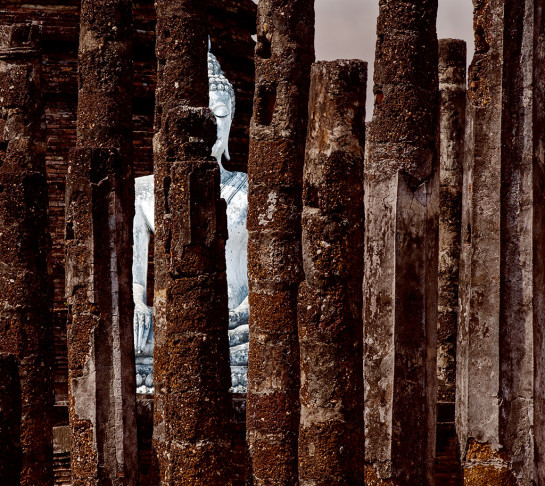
point(346, 29)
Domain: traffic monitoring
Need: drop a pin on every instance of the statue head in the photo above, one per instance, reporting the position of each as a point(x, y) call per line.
point(222, 104)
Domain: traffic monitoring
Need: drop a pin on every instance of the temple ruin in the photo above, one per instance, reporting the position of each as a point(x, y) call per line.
point(214, 272)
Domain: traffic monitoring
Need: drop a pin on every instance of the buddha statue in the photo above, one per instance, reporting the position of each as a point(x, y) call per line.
point(234, 189)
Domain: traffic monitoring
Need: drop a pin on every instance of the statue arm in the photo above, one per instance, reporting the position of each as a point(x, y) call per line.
point(141, 237)
point(142, 313)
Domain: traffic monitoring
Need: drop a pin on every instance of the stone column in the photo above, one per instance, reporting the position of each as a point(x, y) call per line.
point(284, 54)
point(99, 214)
point(191, 357)
point(330, 299)
point(538, 222)
point(501, 351)
point(452, 87)
point(401, 248)
point(25, 325)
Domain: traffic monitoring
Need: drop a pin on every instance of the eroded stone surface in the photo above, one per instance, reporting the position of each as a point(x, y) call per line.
point(485, 466)
point(284, 54)
point(99, 212)
point(401, 244)
point(330, 299)
point(25, 325)
point(372, 478)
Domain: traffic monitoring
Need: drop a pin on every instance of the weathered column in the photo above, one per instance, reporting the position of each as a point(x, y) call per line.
point(191, 356)
point(284, 54)
point(538, 223)
point(330, 299)
point(500, 379)
point(25, 326)
point(452, 88)
point(401, 246)
point(99, 214)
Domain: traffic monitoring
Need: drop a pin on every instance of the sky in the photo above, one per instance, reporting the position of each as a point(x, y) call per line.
point(346, 29)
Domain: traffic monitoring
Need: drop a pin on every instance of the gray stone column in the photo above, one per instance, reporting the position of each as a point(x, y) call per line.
point(331, 298)
point(26, 334)
point(284, 54)
point(452, 87)
point(99, 214)
point(192, 377)
point(500, 378)
point(401, 246)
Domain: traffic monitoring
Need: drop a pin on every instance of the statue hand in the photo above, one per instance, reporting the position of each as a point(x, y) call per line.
point(143, 319)
point(221, 148)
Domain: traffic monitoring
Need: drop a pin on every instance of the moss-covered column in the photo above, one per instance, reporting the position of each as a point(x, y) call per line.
point(500, 397)
point(192, 377)
point(99, 214)
point(331, 298)
point(401, 246)
point(284, 54)
point(26, 334)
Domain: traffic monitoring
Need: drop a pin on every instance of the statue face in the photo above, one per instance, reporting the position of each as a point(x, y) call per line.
point(221, 106)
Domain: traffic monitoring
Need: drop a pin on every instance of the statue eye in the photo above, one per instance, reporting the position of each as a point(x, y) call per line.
point(221, 111)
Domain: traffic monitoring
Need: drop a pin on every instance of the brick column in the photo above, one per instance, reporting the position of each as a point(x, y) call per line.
point(500, 379)
point(26, 333)
point(330, 300)
point(401, 245)
point(192, 377)
point(99, 214)
point(284, 54)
